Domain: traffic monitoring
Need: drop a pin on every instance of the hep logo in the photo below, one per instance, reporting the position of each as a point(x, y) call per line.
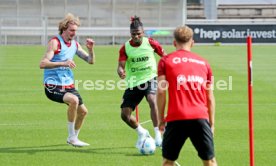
point(207, 34)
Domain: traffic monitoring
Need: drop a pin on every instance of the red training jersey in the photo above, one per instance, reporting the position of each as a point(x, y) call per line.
point(187, 75)
point(154, 44)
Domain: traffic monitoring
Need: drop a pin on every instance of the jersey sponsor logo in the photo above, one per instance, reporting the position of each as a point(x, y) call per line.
point(140, 59)
point(182, 79)
point(177, 60)
point(140, 69)
point(190, 82)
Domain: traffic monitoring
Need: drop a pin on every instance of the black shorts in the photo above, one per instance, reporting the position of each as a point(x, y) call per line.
point(133, 96)
point(56, 94)
point(177, 132)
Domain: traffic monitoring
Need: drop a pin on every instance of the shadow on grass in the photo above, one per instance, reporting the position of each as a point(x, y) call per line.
point(127, 151)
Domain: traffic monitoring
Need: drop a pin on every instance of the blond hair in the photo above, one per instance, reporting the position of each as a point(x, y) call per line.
point(68, 19)
point(183, 34)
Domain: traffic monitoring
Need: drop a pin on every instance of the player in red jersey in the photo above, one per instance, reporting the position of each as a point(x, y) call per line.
point(191, 105)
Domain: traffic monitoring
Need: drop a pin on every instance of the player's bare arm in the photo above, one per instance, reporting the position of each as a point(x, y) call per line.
point(211, 106)
point(46, 63)
point(161, 101)
point(121, 69)
point(90, 56)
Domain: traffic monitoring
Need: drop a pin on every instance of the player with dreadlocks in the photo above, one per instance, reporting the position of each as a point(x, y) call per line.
point(137, 65)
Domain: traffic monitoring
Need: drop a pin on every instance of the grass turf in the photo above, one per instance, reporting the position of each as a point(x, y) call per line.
point(33, 129)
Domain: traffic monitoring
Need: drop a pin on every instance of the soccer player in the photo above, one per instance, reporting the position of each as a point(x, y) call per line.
point(191, 105)
point(58, 76)
point(137, 65)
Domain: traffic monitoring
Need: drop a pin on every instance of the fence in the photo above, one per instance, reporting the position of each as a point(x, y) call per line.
point(39, 35)
point(206, 31)
point(34, 22)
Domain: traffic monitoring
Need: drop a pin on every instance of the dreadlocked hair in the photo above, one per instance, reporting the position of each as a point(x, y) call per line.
point(135, 22)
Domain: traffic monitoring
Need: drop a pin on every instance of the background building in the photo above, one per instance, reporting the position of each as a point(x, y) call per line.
point(35, 21)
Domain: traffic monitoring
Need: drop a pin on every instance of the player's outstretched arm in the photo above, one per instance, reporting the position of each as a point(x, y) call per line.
point(90, 56)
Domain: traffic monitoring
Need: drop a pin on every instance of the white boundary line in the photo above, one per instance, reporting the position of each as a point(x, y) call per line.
point(176, 163)
point(19, 124)
point(226, 104)
point(145, 122)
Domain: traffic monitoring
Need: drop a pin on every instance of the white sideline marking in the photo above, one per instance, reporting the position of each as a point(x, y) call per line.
point(145, 122)
point(176, 163)
point(19, 124)
point(8, 104)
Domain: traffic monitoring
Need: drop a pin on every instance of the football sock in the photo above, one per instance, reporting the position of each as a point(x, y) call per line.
point(77, 132)
point(157, 132)
point(140, 130)
point(71, 130)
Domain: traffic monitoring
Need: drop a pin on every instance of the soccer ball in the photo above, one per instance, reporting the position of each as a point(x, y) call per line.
point(147, 146)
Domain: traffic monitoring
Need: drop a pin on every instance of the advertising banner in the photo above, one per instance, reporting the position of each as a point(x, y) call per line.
point(234, 33)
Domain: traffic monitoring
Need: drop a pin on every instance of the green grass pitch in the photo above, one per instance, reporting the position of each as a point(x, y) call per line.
point(33, 129)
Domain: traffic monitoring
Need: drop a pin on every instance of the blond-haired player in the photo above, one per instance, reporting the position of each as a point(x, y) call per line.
point(58, 76)
point(191, 105)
